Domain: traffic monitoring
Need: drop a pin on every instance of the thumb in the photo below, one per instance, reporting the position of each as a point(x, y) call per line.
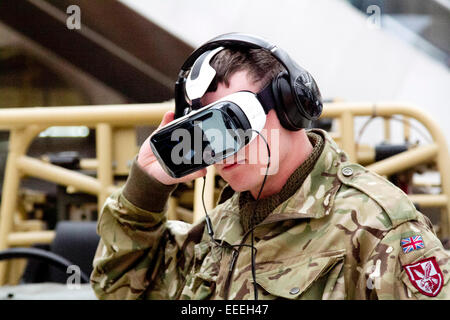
point(192, 176)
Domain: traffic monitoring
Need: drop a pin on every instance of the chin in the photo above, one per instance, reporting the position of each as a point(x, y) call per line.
point(241, 180)
point(238, 187)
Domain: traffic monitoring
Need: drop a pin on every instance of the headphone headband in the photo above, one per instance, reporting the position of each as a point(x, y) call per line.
point(239, 39)
point(298, 77)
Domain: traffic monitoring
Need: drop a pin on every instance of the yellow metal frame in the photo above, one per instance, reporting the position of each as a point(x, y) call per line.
point(26, 123)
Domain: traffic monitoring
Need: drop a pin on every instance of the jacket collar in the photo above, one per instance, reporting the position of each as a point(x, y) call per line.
point(314, 199)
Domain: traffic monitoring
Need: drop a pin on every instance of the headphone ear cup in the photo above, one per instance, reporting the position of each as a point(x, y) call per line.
point(286, 107)
point(308, 95)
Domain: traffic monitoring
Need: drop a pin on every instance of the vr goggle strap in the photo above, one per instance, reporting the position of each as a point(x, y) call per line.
point(266, 98)
point(196, 104)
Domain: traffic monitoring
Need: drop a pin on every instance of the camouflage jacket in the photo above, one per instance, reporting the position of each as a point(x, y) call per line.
point(346, 233)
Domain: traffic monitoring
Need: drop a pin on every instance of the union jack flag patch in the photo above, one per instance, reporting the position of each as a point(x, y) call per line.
point(412, 243)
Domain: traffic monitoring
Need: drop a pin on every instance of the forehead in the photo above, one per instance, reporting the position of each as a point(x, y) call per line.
point(239, 81)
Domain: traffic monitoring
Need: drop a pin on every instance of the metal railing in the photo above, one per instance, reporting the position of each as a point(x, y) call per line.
point(25, 124)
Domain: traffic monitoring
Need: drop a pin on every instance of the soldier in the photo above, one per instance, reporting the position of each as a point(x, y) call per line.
point(323, 227)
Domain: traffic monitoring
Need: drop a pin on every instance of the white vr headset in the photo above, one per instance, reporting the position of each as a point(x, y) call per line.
point(202, 135)
point(211, 133)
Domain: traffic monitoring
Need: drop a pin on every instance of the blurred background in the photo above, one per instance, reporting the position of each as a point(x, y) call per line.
point(95, 53)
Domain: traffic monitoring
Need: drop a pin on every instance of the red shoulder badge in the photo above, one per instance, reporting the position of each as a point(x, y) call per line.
point(426, 276)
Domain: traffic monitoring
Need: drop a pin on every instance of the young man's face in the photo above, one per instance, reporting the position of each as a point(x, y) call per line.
point(245, 170)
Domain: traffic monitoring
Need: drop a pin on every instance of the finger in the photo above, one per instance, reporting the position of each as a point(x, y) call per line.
point(168, 117)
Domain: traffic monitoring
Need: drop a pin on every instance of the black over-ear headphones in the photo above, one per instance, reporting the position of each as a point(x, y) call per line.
point(297, 98)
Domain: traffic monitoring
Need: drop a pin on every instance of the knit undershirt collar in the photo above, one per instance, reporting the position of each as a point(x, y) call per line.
point(253, 212)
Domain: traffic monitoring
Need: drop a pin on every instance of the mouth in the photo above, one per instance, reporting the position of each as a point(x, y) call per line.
point(233, 165)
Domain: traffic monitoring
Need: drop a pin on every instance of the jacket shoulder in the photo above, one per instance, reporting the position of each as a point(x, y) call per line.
point(394, 201)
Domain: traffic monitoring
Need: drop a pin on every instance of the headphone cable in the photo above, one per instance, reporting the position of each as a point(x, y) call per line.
point(255, 284)
point(252, 246)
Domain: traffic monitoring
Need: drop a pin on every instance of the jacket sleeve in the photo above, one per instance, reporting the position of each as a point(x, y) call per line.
point(386, 273)
point(139, 252)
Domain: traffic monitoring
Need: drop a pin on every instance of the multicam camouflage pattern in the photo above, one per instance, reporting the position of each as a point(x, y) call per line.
point(337, 237)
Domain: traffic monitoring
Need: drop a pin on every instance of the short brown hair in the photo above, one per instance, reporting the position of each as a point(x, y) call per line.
point(261, 66)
